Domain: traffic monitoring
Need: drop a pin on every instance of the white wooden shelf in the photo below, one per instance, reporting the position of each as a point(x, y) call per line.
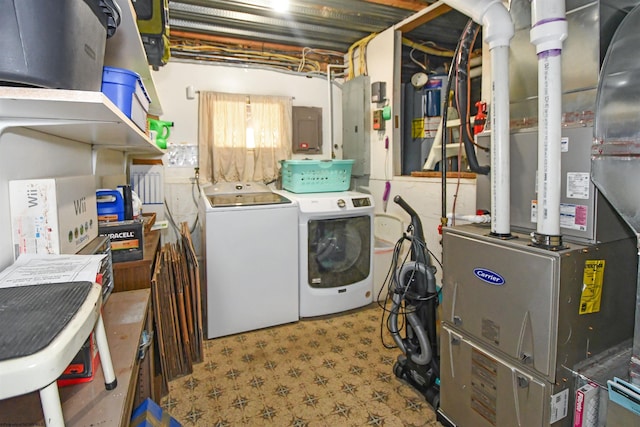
point(88, 117)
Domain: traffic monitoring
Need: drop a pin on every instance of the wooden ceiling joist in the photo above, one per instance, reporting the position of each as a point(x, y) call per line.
point(415, 5)
point(429, 14)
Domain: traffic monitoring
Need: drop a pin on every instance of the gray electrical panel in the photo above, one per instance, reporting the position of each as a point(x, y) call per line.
point(307, 130)
point(356, 124)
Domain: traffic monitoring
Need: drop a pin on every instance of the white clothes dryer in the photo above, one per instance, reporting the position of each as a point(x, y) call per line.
point(335, 250)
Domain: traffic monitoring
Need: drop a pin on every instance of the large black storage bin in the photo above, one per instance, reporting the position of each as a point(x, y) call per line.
point(53, 44)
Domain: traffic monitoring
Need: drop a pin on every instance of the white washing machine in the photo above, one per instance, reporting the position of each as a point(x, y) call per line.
point(251, 250)
point(336, 251)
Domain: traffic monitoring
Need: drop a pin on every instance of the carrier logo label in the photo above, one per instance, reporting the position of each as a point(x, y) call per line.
point(488, 276)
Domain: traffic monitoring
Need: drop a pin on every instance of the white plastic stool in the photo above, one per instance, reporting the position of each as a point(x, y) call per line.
point(43, 328)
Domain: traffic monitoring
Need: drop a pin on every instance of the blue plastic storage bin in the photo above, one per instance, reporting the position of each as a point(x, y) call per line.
point(316, 176)
point(125, 89)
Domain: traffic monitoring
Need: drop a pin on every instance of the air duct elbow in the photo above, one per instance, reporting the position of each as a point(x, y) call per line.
point(492, 15)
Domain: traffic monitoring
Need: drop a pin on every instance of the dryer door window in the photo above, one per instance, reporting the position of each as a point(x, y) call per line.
point(339, 251)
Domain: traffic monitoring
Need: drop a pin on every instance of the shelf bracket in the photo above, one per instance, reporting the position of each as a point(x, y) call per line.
point(6, 124)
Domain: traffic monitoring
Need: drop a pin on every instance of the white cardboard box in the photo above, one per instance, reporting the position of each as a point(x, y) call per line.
point(586, 406)
point(53, 215)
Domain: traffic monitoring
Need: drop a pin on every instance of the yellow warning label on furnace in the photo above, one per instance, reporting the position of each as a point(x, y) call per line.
point(592, 286)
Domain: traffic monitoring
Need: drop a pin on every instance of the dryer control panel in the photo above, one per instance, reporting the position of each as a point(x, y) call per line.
point(361, 202)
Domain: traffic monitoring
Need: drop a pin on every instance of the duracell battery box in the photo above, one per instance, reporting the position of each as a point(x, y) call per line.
point(126, 239)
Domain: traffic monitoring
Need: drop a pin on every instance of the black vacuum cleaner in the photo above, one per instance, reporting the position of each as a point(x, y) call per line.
point(412, 316)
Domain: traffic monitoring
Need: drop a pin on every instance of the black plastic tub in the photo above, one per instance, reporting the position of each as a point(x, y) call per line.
point(52, 44)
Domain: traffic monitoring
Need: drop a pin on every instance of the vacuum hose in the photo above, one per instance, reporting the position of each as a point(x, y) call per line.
point(415, 219)
point(426, 352)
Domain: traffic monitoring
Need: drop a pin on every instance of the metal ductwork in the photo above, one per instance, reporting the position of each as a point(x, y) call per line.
point(615, 161)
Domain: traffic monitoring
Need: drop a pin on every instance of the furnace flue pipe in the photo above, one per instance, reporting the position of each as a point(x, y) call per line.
point(497, 33)
point(548, 31)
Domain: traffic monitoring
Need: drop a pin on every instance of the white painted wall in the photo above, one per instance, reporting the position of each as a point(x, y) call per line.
point(382, 67)
point(172, 80)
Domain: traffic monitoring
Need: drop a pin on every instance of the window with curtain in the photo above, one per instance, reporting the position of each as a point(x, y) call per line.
point(243, 137)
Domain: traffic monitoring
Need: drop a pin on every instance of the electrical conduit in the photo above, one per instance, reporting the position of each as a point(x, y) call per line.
point(548, 31)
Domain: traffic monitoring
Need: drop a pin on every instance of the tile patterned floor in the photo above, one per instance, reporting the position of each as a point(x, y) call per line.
point(330, 371)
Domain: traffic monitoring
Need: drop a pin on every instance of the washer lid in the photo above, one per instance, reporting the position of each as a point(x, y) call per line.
point(246, 199)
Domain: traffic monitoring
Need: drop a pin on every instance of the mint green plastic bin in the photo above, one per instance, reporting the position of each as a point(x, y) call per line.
point(316, 176)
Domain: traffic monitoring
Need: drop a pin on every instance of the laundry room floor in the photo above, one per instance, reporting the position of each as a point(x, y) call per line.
point(328, 371)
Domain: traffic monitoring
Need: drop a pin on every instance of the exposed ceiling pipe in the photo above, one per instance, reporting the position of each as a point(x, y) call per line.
point(548, 31)
point(497, 32)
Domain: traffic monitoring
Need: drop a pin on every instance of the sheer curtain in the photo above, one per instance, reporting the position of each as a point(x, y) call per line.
point(272, 130)
point(223, 122)
point(222, 136)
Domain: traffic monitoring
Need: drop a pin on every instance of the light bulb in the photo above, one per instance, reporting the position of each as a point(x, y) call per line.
point(280, 5)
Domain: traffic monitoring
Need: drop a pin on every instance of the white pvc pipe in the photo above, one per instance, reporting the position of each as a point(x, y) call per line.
point(500, 173)
point(548, 31)
point(475, 72)
point(475, 219)
point(549, 150)
point(497, 33)
point(492, 15)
